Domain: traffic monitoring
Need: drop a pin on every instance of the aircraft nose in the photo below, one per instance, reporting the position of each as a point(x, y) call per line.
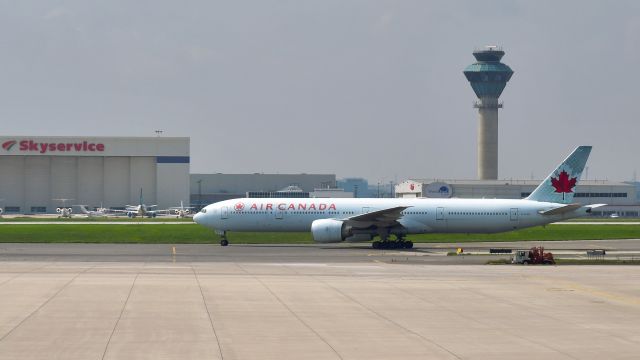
point(196, 216)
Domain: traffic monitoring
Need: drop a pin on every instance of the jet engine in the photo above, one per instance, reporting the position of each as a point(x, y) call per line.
point(58, 210)
point(329, 230)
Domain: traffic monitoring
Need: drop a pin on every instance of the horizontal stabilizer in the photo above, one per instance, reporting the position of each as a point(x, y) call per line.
point(562, 209)
point(593, 206)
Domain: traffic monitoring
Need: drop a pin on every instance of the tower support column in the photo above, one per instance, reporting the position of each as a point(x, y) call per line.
point(488, 138)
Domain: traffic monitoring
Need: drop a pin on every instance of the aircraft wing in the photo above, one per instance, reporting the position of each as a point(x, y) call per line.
point(380, 218)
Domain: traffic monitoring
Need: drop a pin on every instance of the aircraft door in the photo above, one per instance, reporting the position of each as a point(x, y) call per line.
point(514, 214)
point(224, 213)
point(440, 213)
point(279, 214)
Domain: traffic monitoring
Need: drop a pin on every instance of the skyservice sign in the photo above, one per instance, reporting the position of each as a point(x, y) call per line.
point(36, 147)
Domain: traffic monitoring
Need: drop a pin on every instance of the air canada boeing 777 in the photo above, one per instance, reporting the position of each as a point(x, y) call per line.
point(359, 219)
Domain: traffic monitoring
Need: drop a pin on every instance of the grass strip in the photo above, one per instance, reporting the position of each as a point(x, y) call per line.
point(193, 233)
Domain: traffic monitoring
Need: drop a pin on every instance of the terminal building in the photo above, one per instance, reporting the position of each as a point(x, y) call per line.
point(36, 173)
point(621, 198)
point(210, 188)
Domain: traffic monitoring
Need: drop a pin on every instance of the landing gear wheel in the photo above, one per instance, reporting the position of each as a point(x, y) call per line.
point(224, 242)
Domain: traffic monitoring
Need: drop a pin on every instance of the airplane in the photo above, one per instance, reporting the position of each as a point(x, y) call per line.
point(63, 211)
point(333, 220)
point(141, 210)
point(182, 211)
point(99, 212)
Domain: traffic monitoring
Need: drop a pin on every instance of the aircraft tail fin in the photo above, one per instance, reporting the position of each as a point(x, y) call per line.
point(559, 186)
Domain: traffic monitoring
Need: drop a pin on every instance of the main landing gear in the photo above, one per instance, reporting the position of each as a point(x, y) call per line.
point(223, 241)
point(385, 244)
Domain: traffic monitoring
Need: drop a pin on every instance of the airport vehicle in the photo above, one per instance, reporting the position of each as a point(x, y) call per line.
point(338, 219)
point(535, 255)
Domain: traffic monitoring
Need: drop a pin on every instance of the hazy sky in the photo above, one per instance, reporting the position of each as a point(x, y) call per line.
point(357, 88)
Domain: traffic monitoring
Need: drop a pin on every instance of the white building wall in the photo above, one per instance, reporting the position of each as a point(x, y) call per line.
point(116, 182)
point(90, 181)
point(142, 177)
point(173, 184)
point(64, 180)
point(12, 184)
point(37, 173)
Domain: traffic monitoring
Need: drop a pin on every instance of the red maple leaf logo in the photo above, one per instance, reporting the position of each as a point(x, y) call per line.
point(239, 207)
point(563, 184)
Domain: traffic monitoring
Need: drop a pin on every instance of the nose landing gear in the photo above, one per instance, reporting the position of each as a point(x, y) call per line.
point(223, 235)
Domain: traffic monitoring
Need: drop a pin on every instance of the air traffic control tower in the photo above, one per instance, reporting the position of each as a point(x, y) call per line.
point(488, 77)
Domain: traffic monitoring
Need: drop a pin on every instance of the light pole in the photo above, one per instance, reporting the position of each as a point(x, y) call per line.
point(200, 194)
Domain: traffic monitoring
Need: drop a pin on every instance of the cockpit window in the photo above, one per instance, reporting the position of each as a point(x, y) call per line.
point(204, 211)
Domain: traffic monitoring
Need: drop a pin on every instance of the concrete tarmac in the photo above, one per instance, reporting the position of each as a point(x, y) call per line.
point(322, 253)
point(305, 302)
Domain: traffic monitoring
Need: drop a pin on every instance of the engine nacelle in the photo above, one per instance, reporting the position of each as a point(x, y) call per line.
point(58, 210)
point(329, 231)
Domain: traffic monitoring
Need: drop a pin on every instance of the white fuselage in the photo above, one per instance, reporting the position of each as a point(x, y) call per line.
point(421, 216)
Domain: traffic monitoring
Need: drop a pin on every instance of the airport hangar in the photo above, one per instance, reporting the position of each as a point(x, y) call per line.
point(92, 171)
point(621, 198)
